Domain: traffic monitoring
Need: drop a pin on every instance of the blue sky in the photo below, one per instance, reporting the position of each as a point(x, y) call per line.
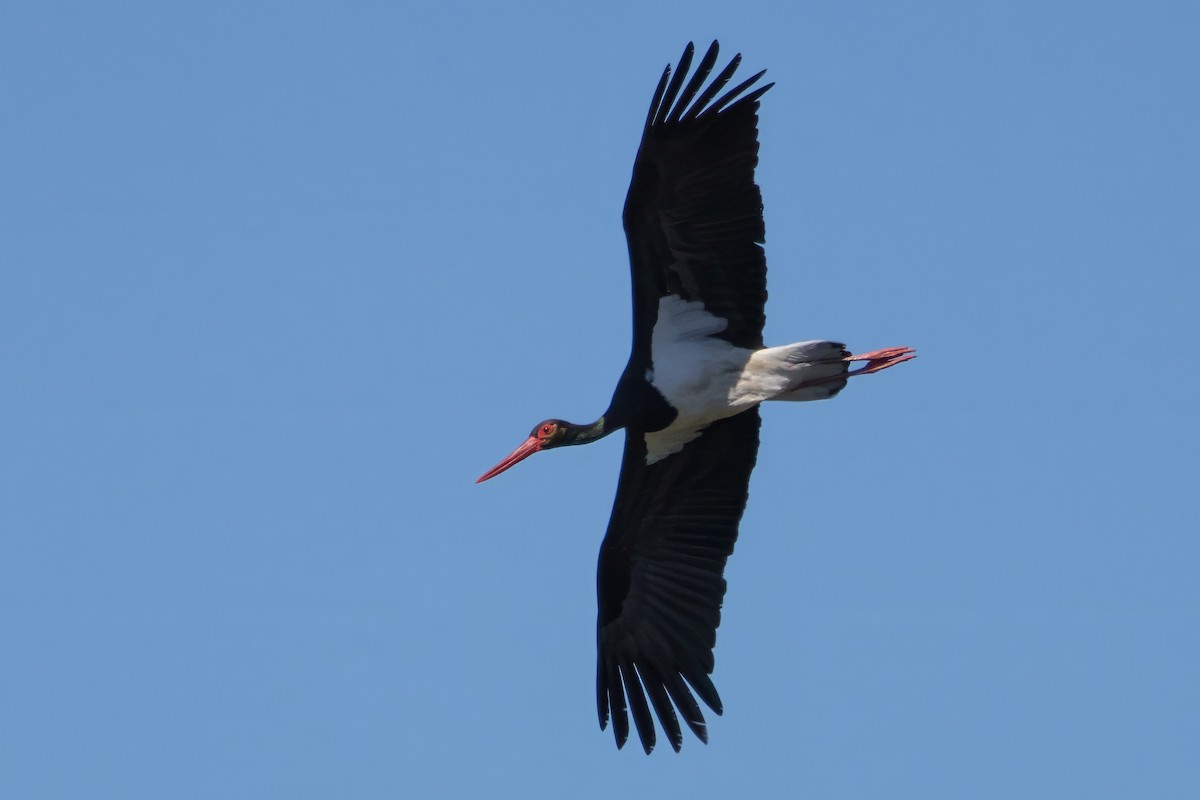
point(279, 282)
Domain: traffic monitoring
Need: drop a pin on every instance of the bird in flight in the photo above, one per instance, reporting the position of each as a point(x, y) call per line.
point(688, 399)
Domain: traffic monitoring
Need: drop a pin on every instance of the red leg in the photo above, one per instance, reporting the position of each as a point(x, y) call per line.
point(881, 359)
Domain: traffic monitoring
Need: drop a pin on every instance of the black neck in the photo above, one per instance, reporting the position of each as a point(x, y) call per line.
point(582, 434)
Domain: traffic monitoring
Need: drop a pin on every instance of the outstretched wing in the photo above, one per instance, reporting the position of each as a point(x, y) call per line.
point(660, 581)
point(693, 214)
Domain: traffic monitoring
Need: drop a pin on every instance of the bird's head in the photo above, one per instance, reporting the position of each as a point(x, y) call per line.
point(547, 434)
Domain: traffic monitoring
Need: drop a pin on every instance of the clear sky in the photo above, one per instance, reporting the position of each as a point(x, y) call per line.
point(279, 281)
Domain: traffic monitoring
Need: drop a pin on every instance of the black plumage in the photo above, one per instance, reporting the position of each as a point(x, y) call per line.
point(693, 222)
point(660, 579)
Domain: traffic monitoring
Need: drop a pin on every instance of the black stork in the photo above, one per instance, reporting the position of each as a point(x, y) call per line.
point(688, 399)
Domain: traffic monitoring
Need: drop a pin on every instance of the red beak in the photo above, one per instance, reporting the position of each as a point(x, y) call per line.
point(527, 448)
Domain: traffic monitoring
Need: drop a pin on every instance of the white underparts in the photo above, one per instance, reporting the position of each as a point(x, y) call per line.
point(706, 379)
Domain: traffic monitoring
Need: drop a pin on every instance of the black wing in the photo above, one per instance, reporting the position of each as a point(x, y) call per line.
point(660, 581)
point(693, 215)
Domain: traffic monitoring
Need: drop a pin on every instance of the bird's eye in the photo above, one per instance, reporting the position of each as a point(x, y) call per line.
point(547, 430)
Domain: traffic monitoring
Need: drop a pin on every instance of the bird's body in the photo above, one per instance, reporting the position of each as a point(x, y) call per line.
point(705, 378)
point(688, 400)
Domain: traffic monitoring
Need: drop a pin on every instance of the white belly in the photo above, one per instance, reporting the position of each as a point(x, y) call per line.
point(704, 378)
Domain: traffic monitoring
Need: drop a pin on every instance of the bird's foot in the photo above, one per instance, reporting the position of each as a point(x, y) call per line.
point(881, 359)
